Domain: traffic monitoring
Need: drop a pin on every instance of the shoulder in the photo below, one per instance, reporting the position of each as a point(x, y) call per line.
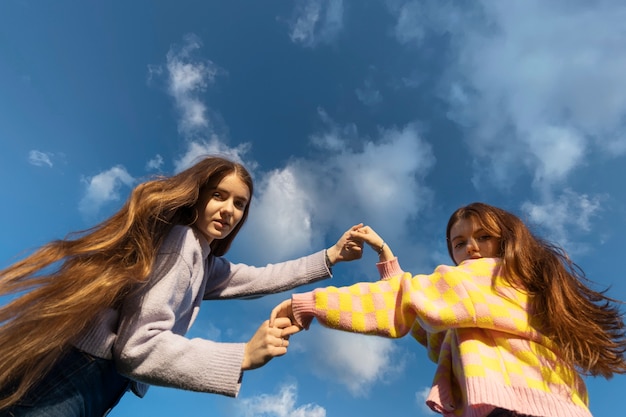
point(181, 254)
point(184, 239)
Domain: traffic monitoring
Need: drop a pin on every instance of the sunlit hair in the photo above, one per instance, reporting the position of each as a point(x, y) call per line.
point(61, 287)
point(585, 324)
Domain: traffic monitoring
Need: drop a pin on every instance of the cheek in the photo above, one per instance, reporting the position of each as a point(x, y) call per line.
point(494, 249)
point(238, 216)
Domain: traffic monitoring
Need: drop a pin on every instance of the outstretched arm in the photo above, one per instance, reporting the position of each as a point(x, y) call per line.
point(348, 247)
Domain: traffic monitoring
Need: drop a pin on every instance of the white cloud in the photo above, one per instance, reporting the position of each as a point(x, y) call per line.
point(282, 404)
point(155, 163)
point(379, 179)
point(557, 151)
point(282, 213)
point(529, 80)
point(188, 77)
point(415, 19)
point(370, 181)
point(103, 188)
point(562, 215)
point(316, 21)
point(40, 159)
point(215, 147)
point(353, 360)
point(335, 137)
point(368, 95)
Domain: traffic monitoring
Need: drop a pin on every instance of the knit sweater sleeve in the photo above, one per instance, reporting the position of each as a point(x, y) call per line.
point(151, 346)
point(232, 280)
point(450, 297)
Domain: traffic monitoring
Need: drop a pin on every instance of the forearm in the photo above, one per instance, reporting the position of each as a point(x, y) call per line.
point(230, 280)
point(367, 308)
point(190, 364)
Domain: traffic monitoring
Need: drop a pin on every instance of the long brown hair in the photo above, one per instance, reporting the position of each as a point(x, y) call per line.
point(585, 324)
point(61, 287)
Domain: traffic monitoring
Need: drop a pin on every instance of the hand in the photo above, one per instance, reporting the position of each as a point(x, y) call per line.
point(368, 235)
point(283, 309)
point(267, 343)
point(346, 248)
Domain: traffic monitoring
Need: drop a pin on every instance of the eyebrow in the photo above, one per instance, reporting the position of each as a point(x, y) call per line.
point(481, 230)
point(225, 191)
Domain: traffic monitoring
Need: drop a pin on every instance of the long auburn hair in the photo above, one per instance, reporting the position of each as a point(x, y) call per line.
point(586, 325)
point(63, 285)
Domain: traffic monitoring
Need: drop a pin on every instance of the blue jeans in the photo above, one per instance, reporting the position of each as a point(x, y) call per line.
point(79, 385)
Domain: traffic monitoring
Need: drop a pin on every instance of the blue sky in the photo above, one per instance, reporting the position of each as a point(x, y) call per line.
point(387, 112)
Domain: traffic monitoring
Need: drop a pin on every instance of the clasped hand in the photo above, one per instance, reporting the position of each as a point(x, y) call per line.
point(268, 342)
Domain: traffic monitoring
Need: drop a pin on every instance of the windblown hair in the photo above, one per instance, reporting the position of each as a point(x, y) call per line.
point(586, 325)
point(60, 288)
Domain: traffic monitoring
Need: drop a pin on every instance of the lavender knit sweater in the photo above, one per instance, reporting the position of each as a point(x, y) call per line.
point(146, 337)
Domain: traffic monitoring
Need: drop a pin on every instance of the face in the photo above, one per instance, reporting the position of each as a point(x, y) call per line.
point(220, 209)
point(470, 241)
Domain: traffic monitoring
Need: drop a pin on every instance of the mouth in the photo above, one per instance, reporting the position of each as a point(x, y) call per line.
point(221, 223)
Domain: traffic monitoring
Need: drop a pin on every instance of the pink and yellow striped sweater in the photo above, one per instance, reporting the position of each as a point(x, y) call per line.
point(477, 329)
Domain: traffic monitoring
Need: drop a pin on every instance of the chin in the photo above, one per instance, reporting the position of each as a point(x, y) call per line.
point(217, 235)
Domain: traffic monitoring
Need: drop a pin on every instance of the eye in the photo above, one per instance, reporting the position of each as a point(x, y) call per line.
point(484, 238)
point(240, 204)
point(459, 244)
point(217, 195)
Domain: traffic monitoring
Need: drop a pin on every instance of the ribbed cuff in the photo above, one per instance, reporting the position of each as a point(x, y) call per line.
point(318, 267)
point(389, 269)
point(303, 307)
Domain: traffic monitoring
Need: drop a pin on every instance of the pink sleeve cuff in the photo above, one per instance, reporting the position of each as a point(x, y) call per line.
point(303, 307)
point(389, 269)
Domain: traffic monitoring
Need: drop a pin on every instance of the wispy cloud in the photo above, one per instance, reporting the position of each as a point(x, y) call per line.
point(316, 21)
point(187, 76)
point(213, 146)
point(562, 213)
point(354, 361)
point(282, 404)
point(536, 93)
point(104, 188)
point(369, 95)
point(40, 159)
point(155, 163)
point(353, 180)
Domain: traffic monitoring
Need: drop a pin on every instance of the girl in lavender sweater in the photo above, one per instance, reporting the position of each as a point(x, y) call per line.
point(107, 310)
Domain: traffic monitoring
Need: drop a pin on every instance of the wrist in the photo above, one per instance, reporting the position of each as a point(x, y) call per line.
point(379, 249)
point(329, 263)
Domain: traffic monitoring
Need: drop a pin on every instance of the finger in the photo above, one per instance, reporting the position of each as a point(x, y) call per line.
point(274, 314)
point(288, 331)
point(280, 309)
point(356, 226)
point(280, 341)
point(282, 322)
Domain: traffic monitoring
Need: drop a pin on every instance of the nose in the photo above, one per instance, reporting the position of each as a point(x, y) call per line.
point(471, 246)
point(228, 207)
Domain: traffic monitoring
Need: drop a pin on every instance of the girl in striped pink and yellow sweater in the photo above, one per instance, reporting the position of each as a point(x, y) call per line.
point(511, 325)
